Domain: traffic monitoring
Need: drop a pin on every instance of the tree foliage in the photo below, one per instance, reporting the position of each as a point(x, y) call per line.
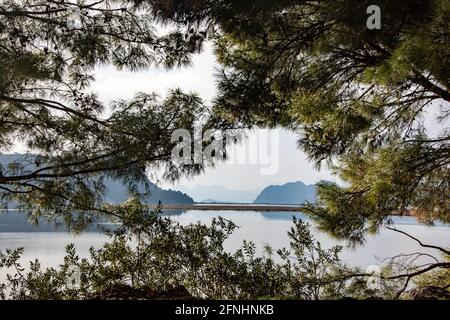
point(151, 252)
point(357, 97)
point(49, 52)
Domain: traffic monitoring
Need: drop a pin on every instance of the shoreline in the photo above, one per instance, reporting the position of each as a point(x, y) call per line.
point(237, 207)
point(246, 207)
point(231, 206)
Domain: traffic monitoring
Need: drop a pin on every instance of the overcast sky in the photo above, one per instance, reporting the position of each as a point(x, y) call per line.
point(283, 163)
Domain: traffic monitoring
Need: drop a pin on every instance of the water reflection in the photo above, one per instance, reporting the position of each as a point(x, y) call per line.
point(47, 242)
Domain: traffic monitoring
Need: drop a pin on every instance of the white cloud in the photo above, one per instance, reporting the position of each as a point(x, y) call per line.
point(111, 84)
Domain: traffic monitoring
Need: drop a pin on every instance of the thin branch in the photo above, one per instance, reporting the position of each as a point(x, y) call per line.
point(420, 242)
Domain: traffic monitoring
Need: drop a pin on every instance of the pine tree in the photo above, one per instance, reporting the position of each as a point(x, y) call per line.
point(357, 96)
point(48, 53)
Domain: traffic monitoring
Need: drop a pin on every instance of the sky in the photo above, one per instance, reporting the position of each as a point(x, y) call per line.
point(274, 160)
point(269, 157)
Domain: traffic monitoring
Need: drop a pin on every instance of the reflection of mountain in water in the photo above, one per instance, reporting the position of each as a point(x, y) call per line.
point(283, 215)
point(17, 221)
point(279, 215)
point(173, 212)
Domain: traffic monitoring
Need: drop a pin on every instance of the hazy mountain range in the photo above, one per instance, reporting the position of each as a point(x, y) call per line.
point(116, 190)
point(289, 193)
point(215, 193)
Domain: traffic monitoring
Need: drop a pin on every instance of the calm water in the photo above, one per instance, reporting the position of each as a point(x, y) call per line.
point(47, 243)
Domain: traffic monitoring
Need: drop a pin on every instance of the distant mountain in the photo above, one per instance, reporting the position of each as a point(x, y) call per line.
point(212, 192)
point(116, 190)
point(289, 193)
